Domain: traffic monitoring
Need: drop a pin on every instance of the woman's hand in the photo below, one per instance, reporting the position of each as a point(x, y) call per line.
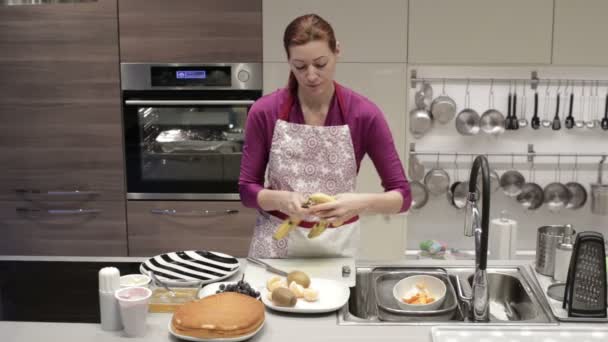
point(345, 207)
point(290, 203)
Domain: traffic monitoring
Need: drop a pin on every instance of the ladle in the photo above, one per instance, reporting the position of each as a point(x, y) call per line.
point(569, 122)
point(557, 124)
point(546, 122)
point(605, 119)
point(523, 122)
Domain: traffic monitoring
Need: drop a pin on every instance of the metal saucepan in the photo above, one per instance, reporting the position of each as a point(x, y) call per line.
point(415, 169)
point(437, 180)
point(421, 120)
point(467, 120)
point(599, 193)
point(512, 181)
point(557, 194)
point(443, 108)
point(424, 96)
point(420, 194)
point(579, 193)
point(532, 195)
point(492, 121)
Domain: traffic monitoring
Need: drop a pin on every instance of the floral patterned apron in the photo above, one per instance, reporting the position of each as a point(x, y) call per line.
point(308, 159)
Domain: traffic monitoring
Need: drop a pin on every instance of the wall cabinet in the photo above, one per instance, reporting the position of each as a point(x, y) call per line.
point(580, 33)
point(190, 31)
point(480, 31)
point(368, 31)
point(162, 226)
point(60, 130)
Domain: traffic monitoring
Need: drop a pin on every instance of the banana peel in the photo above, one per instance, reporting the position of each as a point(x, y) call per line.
point(317, 229)
point(285, 228)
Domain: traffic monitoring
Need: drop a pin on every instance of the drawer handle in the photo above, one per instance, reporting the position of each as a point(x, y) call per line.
point(189, 102)
point(173, 212)
point(59, 212)
point(59, 193)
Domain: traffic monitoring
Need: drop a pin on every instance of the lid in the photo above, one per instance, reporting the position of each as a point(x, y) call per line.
point(109, 279)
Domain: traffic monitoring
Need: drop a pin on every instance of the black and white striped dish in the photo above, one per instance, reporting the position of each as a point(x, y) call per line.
point(189, 268)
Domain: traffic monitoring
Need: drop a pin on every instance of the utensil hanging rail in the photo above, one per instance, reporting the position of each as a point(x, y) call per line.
point(531, 154)
point(534, 80)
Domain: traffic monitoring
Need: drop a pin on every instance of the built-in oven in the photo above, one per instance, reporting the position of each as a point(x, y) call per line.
point(184, 126)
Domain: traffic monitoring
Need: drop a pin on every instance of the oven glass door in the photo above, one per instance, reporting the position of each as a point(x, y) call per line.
point(184, 148)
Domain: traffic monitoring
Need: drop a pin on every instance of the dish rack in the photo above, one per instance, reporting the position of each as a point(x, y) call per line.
point(560, 313)
point(388, 308)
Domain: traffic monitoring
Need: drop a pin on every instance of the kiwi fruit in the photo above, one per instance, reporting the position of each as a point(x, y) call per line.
point(299, 277)
point(283, 297)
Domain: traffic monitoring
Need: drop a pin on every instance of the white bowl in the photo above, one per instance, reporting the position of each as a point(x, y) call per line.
point(135, 280)
point(406, 288)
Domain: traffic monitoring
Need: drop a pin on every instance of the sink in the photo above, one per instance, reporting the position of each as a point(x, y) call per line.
point(514, 299)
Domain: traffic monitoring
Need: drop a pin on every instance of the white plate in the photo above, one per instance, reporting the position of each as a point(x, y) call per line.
point(332, 296)
point(190, 268)
point(221, 339)
point(211, 289)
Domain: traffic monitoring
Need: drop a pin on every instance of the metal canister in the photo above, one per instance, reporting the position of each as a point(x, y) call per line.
point(547, 240)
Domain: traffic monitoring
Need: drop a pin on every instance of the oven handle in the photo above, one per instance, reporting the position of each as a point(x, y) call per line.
point(189, 102)
point(173, 212)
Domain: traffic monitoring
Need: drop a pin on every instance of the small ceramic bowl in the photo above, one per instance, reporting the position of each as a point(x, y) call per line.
point(135, 280)
point(407, 287)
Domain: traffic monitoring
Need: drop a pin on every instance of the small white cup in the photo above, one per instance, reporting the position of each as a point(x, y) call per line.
point(135, 280)
point(133, 303)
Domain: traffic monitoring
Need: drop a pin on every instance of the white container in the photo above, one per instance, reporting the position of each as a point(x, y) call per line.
point(133, 302)
point(406, 288)
point(563, 253)
point(135, 280)
point(109, 282)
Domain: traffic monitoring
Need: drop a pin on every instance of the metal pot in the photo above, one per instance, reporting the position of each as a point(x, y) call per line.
point(443, 108)
point(599, 193)
point(420, 194)
point(421, 120)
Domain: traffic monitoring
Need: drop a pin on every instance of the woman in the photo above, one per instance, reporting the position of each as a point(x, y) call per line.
point(311, 137)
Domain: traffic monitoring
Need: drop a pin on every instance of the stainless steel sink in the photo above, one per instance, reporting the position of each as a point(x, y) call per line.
point(514, 299)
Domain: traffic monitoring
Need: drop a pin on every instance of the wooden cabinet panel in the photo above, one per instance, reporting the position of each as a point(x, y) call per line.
point(189, 228)
point(480, 31)
point(580, 33)
point(193, 31)
point(60, 119)
point(368, 31)
point(63, 231)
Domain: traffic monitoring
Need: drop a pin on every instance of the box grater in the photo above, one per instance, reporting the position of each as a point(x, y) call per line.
point(585, 294)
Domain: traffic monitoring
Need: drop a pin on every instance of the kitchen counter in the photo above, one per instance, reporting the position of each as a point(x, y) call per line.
point(278, 326)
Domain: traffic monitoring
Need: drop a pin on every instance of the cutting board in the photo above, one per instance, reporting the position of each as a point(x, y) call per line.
point(328, 268)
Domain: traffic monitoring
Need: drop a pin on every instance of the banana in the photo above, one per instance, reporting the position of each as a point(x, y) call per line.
point(284, 229)
point(317, 229)
point(318, 198)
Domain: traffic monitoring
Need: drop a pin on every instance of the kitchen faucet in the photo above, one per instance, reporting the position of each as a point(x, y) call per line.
point(477, 225)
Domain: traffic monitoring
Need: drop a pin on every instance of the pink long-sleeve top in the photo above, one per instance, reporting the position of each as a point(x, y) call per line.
point(368, 128)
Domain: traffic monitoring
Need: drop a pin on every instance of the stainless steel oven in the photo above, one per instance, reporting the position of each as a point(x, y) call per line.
point(184, 126)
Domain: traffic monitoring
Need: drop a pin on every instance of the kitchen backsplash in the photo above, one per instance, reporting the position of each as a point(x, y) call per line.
point(439, 220)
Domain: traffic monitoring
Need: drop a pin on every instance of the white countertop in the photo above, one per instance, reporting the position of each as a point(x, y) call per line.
point(278, 327)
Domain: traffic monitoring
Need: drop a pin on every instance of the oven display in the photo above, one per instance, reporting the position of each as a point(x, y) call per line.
point(190, 74)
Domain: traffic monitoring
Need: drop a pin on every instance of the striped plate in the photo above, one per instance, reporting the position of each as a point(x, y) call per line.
point(190, 268)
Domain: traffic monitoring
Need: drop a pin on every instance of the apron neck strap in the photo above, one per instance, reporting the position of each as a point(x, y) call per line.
point(291, 93)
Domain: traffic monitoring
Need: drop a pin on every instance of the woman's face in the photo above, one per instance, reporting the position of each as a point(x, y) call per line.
point(314, 65)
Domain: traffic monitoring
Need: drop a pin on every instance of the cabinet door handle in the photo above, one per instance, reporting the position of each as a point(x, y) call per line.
point(58, 193)
point(173, 212)
point(59, 212)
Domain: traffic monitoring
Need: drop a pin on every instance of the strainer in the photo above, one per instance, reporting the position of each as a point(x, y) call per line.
point(437, 179)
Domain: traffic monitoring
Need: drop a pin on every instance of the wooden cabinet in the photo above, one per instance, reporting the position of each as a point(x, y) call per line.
point(580, 33)
point(63, 228)
point(60, 128)
point(190, 31)
point(480, 31)
point(368, 31)
point(161, 226)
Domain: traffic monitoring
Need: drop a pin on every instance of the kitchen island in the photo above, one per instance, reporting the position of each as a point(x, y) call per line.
point(278, 327)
